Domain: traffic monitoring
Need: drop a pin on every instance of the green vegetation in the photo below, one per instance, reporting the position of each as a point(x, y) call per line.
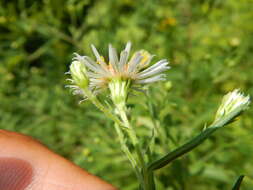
point(209, 45)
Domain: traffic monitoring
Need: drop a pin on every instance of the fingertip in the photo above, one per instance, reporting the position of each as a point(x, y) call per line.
point(15, 174)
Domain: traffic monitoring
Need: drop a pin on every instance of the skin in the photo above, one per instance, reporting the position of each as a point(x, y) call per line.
point(26, 164)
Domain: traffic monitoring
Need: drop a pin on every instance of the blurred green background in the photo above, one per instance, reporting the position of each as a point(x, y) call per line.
point(209, 44)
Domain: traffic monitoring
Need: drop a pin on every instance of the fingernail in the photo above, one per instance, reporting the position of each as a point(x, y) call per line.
point(15, 174)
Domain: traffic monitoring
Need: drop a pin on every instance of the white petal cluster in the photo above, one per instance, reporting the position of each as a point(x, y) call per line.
point(136, 70)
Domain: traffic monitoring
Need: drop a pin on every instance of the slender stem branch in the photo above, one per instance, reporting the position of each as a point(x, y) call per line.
point(126, 150)
point(102, 108)
point(147, 180)
point(132, 135)
point(187, 147)
point(182, 150)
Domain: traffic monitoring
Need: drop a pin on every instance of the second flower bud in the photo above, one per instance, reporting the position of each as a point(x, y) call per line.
point(78, 73)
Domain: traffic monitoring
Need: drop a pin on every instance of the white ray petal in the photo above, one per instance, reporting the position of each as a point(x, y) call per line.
point(94, 66)
point(132, 65)
point(93, 75)
point(113, 58)
point(160, 63)
point(123, 60)
point(95, 51)
point(152, 79)
point(78, 92)
point(155, 71)
point(128, 48)
point(72, 87)
point(98, 57)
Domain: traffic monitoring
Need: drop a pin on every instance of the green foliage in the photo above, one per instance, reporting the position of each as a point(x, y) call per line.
point(209, 44)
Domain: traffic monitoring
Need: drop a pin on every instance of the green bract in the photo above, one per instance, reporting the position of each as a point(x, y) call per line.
point(119, 91)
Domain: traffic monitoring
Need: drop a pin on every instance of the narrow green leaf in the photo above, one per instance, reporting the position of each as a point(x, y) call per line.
point(238, 183)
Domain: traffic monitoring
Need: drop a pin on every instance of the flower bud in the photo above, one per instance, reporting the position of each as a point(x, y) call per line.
point(78, 73)
point(232, 101)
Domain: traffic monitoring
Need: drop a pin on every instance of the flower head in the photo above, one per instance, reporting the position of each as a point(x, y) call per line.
point(78, 74)
point(135, 71)
point(232, 101)
point(79, 79)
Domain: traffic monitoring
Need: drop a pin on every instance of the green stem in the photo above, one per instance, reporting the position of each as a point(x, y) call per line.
point(142, 175)
point(102, 108)
point(126, 150)
point(187, 147)
point(182, 150)
point(147, 181)
point(132, 135)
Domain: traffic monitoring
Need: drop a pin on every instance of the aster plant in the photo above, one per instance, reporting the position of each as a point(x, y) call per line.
point(122, 76)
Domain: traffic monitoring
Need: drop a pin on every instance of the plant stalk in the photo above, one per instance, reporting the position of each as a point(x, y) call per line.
point(147, 180)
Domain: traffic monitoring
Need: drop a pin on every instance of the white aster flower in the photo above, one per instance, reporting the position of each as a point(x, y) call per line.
point(135, 71)
point(232, 101)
